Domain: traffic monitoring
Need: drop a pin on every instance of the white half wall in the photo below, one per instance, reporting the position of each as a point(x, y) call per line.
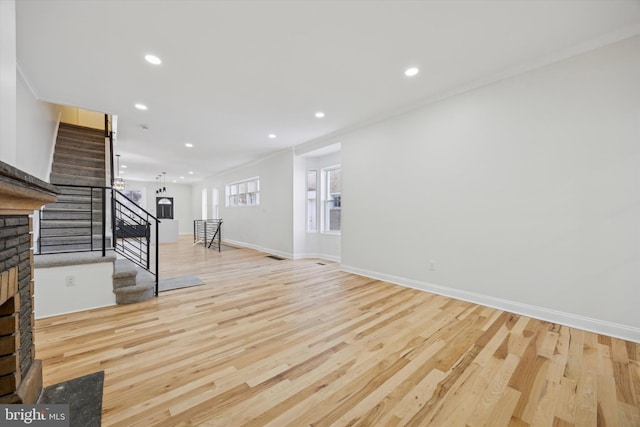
point(524, 193)
point(68, 289)
point(37, 124)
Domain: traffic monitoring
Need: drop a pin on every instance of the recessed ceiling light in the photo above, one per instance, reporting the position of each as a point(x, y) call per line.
point(190, 172)
point(188, 145)
point(174, 181)
point(141, 106)
point(410, 72)
point(152, 59)
point(272, 136)
point(319, 114)
point(182, 177)
point(123, 166)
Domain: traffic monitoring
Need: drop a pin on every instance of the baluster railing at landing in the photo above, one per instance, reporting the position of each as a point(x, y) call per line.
point(208, 232)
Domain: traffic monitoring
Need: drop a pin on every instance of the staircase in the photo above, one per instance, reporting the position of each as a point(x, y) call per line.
point(79, 157)
point(74, 222)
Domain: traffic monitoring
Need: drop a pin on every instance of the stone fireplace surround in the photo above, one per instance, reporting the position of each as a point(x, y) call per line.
point(20, 372)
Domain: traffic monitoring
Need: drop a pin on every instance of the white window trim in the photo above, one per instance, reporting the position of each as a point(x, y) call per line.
point(227, 194)
point(324, 193)
point(317, 207)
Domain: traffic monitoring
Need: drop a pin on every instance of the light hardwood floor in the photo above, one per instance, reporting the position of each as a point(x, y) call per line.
point(297, 343)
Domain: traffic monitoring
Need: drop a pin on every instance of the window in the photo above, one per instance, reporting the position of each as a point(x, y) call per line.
point(332, 199)
point(215, 201)
point(312, 205)
point(243, 193)
point(204, 204)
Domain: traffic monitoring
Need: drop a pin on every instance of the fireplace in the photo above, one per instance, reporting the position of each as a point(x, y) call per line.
point(20, 372)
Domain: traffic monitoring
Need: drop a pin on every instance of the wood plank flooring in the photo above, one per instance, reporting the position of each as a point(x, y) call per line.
point(296, 343)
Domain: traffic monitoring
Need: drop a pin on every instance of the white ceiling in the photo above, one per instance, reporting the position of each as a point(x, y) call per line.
point(235, 71)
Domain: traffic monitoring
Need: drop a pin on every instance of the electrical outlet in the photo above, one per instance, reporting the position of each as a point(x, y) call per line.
point(70, 281)
point(432, 265)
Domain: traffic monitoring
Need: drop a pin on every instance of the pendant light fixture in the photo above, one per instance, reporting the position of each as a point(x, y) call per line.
point(161, 186)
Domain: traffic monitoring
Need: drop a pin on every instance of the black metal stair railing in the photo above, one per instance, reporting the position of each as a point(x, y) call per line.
point(134, 229)
point(76, 222)
point(208, 232)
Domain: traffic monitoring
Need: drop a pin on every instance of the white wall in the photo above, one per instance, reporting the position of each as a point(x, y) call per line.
point(37, 124)
point(182, 202)
point(525, 194)
point(81, 117)
point(27, 126)
point(8, 82)
point(267, 227)
point(278, 225)
point(60, 290)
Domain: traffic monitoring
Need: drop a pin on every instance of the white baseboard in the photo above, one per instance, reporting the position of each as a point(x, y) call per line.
point(555, 316)
point(259, 248)
point(62, 313)
point(281, 253)
point(325, 257)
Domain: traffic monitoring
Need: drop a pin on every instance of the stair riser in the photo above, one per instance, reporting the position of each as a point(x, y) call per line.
point(68, 232)
point(71, 248)
point(62, 215)
point(66, 207)
point(84, 206)
point(57, 179)
point(53, 246)
point(124, 282)
point(80, 195)
point(75, 238)
point(128, 296)
point(83, 130)
point(48, 229)
point(83, 172)
point(63, 159)
point(81, 133)
point(80, 242)
point(77, 146)
point(79, 153)
point(88, 143)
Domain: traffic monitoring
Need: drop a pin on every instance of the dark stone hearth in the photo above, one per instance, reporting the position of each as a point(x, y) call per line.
point(84, 397)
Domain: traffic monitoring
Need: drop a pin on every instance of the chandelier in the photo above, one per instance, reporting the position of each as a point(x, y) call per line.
point(118, 182)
